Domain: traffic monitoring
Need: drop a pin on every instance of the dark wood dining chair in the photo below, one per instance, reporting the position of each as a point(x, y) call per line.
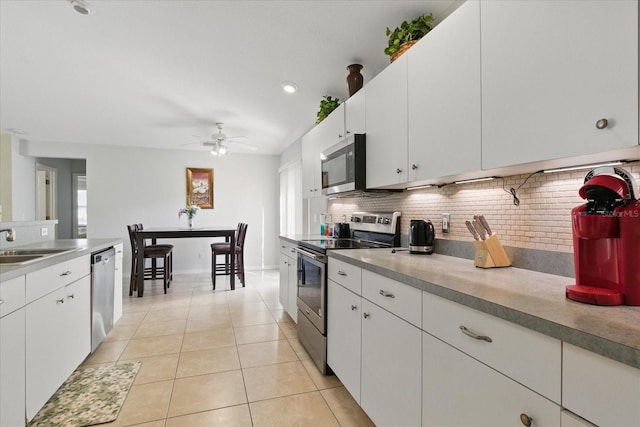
point(154, 270)
point(224, 248)
point(150, 252)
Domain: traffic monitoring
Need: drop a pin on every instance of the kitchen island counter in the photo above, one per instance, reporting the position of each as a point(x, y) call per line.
point(528, 298)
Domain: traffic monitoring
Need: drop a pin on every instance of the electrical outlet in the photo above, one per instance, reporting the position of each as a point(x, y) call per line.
point(44, 231)
point(445, 222)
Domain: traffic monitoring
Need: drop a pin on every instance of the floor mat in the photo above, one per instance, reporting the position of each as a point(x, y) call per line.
point(89, 396)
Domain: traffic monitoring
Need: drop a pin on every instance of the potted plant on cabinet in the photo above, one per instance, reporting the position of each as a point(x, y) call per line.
point(327, 105)
point(407, 34)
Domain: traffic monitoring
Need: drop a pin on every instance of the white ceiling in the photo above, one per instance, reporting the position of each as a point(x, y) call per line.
point(162, 73)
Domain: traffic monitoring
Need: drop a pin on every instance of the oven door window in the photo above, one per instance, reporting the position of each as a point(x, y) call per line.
point(311, 283)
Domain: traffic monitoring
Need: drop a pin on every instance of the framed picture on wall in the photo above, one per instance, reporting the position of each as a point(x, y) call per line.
point(200, 187)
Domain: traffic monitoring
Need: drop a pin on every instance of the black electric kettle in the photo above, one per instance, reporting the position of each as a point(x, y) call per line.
point(422, 236)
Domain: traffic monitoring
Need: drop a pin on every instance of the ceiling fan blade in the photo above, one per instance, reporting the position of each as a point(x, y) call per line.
point(242, 137)
point(189, 143)
point(243, 145)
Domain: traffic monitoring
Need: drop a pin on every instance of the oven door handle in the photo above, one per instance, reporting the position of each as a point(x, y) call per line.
point(313, 256)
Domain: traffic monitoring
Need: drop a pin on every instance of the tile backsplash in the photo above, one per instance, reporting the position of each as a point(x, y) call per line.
point(541, 221)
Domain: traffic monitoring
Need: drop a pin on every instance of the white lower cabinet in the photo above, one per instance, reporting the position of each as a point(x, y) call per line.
point(288, 292)
point(460, 391)
point(598, 389)
point(343, 336)
point(390, 368)
point(569, 419)
point(58, 339)
point(12, 369)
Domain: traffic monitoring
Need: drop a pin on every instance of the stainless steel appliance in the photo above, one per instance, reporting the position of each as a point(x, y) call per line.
point(370, 230)
point(344, 165)
point(102, 295)
point(422, 236)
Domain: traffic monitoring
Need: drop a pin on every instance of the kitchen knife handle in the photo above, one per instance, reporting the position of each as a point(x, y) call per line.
point(472, 230)
point(485, 224)
point(475, 336)
point(479, 229)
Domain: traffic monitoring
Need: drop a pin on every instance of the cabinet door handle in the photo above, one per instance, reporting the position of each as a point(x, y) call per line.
point(386, 294)
point(414, 166)
point(66, 273)
point(354, 307)
point(475, 336)
point(342, 273)
point(526, 420)
point(70, 296)
point(602, 123)
point(398, 171)
point(60, 301)
point(365, 315)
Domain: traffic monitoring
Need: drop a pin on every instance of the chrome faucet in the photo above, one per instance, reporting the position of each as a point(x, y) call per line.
point(11, 234)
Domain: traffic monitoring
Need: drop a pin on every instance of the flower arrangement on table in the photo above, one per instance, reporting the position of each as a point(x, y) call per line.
point(190, 211)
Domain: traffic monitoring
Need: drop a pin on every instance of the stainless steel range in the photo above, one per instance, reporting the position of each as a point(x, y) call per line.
point(367, 230)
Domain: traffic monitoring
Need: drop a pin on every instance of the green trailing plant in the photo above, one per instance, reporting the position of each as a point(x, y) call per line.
point(327, 105)
point(408, 31)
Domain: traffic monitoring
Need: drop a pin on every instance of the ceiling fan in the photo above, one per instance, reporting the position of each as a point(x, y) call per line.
point(219, 141)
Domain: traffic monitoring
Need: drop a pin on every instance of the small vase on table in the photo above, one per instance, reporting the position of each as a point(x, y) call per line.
point(190, 222)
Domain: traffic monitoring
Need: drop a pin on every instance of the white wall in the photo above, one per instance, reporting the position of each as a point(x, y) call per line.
point(23, 184)
point(131, 185)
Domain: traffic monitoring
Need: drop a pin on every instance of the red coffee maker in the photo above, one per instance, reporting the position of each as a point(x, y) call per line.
point(606, 240)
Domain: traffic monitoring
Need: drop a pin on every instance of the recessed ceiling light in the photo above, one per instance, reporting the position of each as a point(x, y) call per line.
point(289, 87)
point(81, 6)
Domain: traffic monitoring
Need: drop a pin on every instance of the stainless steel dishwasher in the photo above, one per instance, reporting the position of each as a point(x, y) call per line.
point(102, 294)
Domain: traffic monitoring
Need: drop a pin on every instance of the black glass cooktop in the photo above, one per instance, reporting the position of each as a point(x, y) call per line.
point(326, 244)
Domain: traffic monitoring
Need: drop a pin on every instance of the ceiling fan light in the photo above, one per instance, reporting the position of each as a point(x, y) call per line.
point(222, 150)
point(214, 151)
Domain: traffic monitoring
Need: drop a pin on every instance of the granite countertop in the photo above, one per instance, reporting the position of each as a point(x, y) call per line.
point(528, 298)
point(77, 247)
point(294, 238)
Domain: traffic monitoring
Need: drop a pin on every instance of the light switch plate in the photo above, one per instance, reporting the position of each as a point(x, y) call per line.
point(445, 222)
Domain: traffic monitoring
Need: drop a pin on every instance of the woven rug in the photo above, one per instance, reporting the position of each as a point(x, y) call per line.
point(89, 396)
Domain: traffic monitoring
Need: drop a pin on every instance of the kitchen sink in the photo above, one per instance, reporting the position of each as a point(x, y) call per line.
point(39, 252)
point(18, 259)
point(23, 256)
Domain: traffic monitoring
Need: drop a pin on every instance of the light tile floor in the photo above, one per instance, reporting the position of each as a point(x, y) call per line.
point(220, 358)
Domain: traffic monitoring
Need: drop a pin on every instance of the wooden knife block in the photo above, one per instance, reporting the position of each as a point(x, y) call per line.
point(490, 253)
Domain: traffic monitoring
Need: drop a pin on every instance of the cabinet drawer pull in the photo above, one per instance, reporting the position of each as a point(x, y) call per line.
point(60, 301)
point(475, 336)
point(526, 420)
point(342, 273)
point(354, 307)
point(386, 294)
point(70, 296)
point(66, 273)
point(365, 315)
point(602, 123)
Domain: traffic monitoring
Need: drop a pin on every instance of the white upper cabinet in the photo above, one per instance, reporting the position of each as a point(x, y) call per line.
point(354, 113)
point(444, 97)
point(327, 133)
point(386, 120)
point(551, 70)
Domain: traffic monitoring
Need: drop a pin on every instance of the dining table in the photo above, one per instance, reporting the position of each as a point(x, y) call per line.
point(229, 233)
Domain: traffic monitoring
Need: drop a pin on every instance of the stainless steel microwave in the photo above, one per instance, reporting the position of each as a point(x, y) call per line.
point(344, 165)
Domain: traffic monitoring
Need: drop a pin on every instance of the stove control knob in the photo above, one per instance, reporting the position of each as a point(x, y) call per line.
point(387, 221)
